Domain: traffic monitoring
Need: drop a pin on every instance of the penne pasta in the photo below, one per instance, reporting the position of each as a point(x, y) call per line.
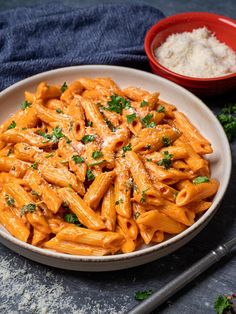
point(88, 168)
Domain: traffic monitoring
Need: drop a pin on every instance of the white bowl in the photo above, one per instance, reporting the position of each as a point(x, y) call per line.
point(194, 108)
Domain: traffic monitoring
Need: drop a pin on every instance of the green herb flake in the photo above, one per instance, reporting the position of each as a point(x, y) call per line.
point(10, 152)
point(131, 117)
point(143, 196)
point(166, 161)
point(64, 87)
point(9, 200)
point(57, 133)
point(12, 125)
point(97, 154)
point(146, 121)
point(72, 219)
point(161, 109)
point(143, 295)
point(149, 159)
point(222, 304)
point(29, 208)
point(96, 163)
point(48, 155)
point(77, 159)
point(58, 110)
point(68, 141)
point(110, 125)
point(200, 180)
point(119, 201)
point(228, 120)
point(126, 149)
point(148, 146)
point(143, 103)
point(33, 192)
point(117, 103)
point(89, 175)
point(25, 104)
point(166, 141)
point(89, 123)
point(88, 138)
point(34, 165)
point(136, 215)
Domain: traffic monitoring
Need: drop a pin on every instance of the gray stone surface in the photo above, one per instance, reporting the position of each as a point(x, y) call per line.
point(114, 292)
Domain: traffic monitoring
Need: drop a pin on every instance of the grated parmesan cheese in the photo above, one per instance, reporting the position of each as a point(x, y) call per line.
point(30, 288)
point(197, 54)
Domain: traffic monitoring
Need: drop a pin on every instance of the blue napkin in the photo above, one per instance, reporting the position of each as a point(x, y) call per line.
point(40, 38)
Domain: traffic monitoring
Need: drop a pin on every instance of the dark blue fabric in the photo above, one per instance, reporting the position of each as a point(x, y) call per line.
point(40, 38)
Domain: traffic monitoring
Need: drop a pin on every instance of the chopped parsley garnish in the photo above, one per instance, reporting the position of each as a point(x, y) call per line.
point(89, 175)
point(89, 123)
point(143, 196)
point(199, 180)
point(68, 141)
point(131, 117)
point(166, 141)
point(146, 121)
point(117, 103)
point(119, 201)
point(227, 118)
point(136, 215)
point(88, 138)
point(96, 163)
point(33, 192)
point(166, 161)
point(222, 304)
point(97, 154)
point(126, 149)
point(148, 146)
point(143, 295)
point(10, 152)
point(64, 87)
point(12, 125)
point(110, 125)
point(25, 104)
point(149, 159)
point(54, 137)
point(57, 133)
point(144, 103)
point(34, 165)
point(9, 200)
point(58, 110)
point(29, 208)
point(77, 159)
point(48, 155)
point(161, 109)
point(72, 219)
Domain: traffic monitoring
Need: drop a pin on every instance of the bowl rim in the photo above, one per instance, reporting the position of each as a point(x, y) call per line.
point(148, 250)
point(149, 37)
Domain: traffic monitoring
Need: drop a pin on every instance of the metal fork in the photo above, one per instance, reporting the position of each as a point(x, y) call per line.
point(182, 280)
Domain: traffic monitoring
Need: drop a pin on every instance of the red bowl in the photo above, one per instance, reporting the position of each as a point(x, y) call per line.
point(223, 27)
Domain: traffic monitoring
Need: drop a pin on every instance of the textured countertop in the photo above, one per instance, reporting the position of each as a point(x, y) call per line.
point(28, 287)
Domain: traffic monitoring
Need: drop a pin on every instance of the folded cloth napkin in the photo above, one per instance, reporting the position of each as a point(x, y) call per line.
point(40, 38)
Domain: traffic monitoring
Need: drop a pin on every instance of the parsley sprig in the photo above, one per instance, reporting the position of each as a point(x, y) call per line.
point(9, 200)
point(227, 118)
point(25, 104)
point(146, 121)
point(28, 208)
point(222, 304)
point(143, 295)
point(72, 218)
point(200, 180)
point(166, 161)
point(117, 104)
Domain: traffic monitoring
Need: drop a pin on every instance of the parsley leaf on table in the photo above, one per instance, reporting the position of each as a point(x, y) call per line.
point(222, 304)
point(227, 118)
point(143, 295)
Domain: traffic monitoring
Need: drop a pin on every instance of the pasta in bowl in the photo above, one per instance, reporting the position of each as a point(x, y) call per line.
point(91, 169)
point(48, 166)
